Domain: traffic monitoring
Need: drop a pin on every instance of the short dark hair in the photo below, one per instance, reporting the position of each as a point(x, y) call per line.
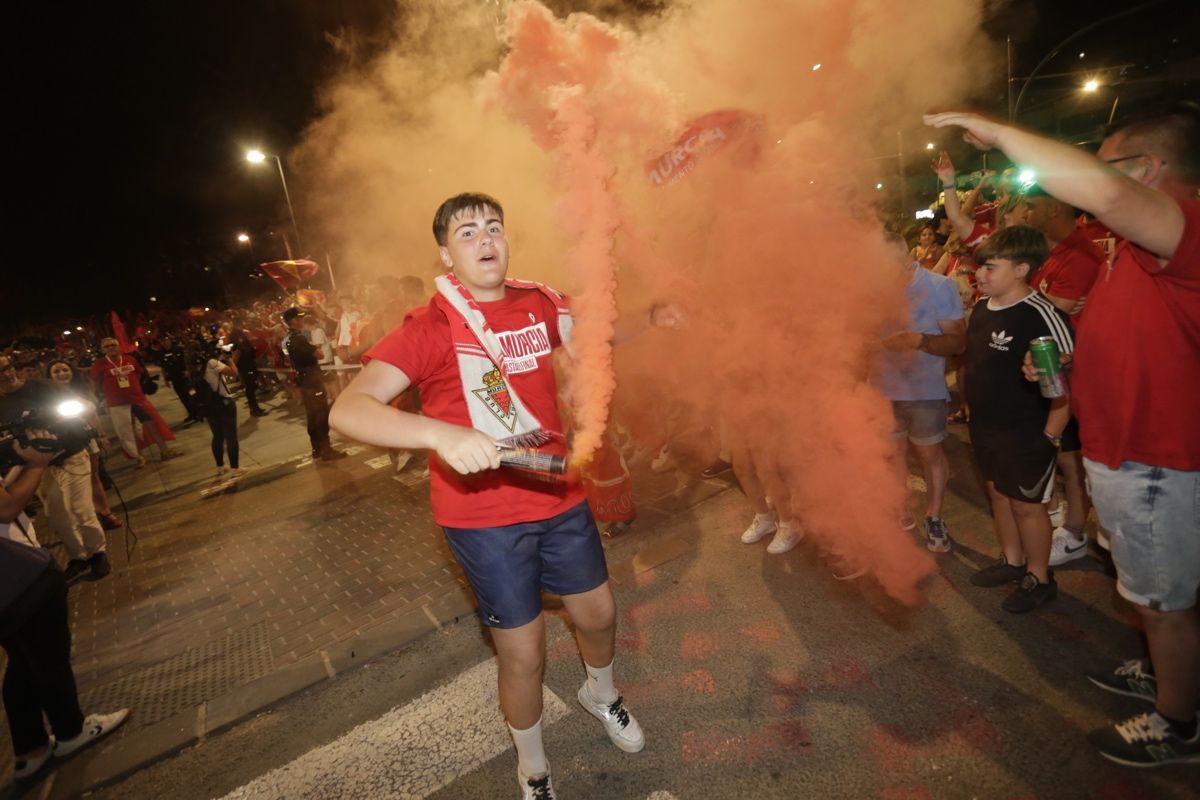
point(1177, 129)
point(1019, 244)
point(468, 201)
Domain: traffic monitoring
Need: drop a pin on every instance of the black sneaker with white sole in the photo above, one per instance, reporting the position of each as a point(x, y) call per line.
point(1147, 740)
point(1132, 679)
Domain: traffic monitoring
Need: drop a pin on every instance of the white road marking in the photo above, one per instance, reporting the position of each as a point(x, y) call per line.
point(409, 752)
point(354, 449)
point(379, 462)
point(661, 795)
point(304, 462)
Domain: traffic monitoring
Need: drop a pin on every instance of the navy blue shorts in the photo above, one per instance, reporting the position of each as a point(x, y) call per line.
point(510, 566)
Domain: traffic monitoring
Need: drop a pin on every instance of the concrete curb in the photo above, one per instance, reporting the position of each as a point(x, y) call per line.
point(116, 759)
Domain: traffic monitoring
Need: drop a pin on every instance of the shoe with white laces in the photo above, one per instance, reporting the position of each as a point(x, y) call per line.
point(1132, 679)
point(1147, 740)
point(762, 527)
point(536, 787)
point(95, 726)
point(1065, 547)
point(787, 536)
point(619, 724)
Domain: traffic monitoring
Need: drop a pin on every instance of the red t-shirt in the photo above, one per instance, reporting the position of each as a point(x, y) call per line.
point(120, 378)
point(423, 350)
point(1072, 268)
point(981, 230)
point(1099, 233)
point(1137, 359)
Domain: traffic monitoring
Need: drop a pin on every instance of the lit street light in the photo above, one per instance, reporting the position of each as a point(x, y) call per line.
point(929, 146)
point(1092, 85)
point(257, 157)
point(244, 238)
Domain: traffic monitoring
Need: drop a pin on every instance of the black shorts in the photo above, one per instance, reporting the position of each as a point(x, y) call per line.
point(1018, 461)
point(1070, 437)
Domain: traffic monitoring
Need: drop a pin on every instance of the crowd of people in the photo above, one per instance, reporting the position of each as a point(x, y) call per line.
point(1098, 257)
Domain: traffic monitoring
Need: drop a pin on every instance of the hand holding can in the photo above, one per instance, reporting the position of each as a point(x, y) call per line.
point(1052, 379)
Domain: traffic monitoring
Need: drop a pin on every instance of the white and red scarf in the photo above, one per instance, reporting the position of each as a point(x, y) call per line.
point(483, 367)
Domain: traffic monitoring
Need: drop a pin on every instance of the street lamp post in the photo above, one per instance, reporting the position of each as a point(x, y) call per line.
point(245, 239)
point(257, 157)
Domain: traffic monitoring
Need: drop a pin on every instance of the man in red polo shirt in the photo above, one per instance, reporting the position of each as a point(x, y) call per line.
point(1135, 381)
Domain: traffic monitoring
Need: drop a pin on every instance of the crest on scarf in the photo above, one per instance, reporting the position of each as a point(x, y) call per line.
point(494, 395)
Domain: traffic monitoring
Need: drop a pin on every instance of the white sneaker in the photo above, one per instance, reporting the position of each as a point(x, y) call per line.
point(95, 726)
point(25, 766)
point(1064, 547)
point(220, 470)
point(536, 787)
point(239, 472)
point(619, 724)
point(762, 526)
point(1058, 514)
point(1102, 539)
point(662, 460)
point(786, 537)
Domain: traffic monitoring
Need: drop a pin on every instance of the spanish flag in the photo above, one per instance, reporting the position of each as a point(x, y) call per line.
point(290, 274)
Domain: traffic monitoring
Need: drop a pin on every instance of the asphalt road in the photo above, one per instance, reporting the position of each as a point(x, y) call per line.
point(753, 676)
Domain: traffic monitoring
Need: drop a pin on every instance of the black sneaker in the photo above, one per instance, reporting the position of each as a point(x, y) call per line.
point(331, 455)
point(998, 574)
point(75, 568)
point(716, 468)
point(1030, 594)
point(99, 566)
point(1132, 679)
point(1147, 740)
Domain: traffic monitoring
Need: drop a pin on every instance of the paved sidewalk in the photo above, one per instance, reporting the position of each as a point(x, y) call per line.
point(223, 583)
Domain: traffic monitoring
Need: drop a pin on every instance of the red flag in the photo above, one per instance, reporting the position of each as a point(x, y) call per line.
point(289, 274)
point(703, 135)
point(123, 343)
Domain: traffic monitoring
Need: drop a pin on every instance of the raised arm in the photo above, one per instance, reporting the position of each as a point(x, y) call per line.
point(944, 168)
point(1150, 219)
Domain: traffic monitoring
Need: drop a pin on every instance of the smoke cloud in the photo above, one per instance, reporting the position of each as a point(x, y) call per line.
point(720, 154)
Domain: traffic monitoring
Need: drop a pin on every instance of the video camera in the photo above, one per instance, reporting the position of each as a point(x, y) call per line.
point(64, 422)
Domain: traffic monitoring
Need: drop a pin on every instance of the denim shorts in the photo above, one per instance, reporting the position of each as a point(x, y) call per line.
point(509, 566)
point(1153, 517)
point(922, 421)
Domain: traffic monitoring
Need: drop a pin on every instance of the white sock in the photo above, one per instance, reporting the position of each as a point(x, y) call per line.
point(531, 757)
point(600, 683)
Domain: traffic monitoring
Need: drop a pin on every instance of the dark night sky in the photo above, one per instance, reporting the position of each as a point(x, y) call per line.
point(130, 122)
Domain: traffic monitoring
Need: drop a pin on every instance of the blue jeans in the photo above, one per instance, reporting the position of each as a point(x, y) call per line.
point(1153, 514)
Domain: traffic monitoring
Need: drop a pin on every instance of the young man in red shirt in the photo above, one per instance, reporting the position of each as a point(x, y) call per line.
point(480, 355)
point(1135, 380)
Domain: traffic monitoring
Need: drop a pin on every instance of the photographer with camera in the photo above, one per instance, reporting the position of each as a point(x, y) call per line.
point(306, 361)
point(34, 628)
point(66, 487)
point(62, 373)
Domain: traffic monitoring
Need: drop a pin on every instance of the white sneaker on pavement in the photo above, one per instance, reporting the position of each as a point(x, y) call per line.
point(1064, 547)
point(786, 537)
point(662, 461)
point(27, 765)
point(536, 787)
point(95, 726)
point(619, 724)
point(760, 528)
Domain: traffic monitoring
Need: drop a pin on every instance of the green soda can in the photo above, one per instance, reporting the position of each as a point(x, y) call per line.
point(1051, 379)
